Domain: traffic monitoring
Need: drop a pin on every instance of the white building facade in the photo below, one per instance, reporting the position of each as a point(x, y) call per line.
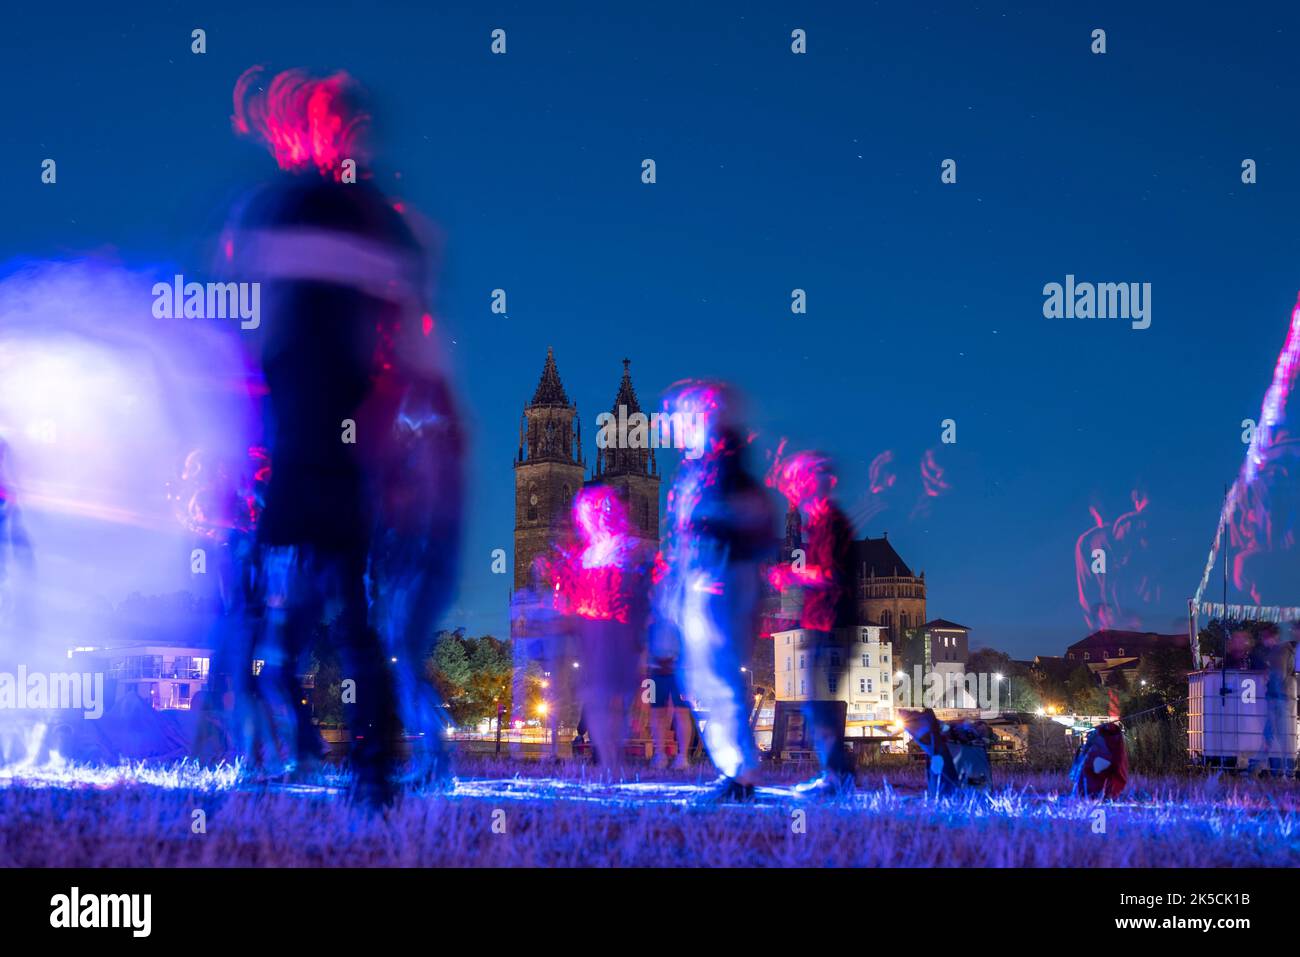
point(856, 667)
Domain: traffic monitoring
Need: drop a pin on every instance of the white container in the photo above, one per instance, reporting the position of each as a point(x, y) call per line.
point(1232, 730)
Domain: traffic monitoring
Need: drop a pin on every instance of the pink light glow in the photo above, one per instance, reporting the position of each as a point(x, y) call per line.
point(1104, 595)
point(305, 122)
point(805, 480)
point(589, 578)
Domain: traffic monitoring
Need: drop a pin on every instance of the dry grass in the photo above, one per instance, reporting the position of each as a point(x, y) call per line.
point(559, 816)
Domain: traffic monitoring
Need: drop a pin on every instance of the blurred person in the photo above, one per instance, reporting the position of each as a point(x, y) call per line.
point(601, 580)
point(824, 577)
point(364, 497)
point(1277, 658)
point(721, 531)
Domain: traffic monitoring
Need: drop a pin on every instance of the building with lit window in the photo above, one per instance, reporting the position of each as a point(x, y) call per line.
point(856, 667)
point(165, 676)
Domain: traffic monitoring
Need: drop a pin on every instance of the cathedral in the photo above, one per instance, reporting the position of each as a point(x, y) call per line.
point(550, 468)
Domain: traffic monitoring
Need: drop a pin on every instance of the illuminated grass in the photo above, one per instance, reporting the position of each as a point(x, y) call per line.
point(564, 815)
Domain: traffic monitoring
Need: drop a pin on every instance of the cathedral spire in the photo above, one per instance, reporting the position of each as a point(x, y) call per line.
point(626, 394)
point(550, 390)
point(626, 461)
point(549, 428)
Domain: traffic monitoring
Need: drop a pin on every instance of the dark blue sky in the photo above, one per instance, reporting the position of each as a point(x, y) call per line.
point(775, 171)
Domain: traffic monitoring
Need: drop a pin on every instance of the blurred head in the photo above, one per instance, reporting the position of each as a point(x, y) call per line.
point(711, 411)
point(805, 479)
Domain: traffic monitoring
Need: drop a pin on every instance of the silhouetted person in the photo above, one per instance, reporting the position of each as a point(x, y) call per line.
point(722, 530)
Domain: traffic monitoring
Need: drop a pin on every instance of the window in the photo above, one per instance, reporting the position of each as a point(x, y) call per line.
point(866, 661)
point(802, 658)
point(787, 664)
point(1121, 653)
point(862, 685)
point(803, 686)
point(835, 659)
point(833, 684)
point(1085, 656)
point(787, 639)
point(869, 686)
point(884, 659)
point(788, 685)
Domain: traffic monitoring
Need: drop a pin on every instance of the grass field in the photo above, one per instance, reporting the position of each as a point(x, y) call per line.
point(533, 814)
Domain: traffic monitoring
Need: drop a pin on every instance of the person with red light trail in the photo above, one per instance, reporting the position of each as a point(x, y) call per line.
point(602, 582)
point(722, 528)
point(824, 575)
point(363, 505)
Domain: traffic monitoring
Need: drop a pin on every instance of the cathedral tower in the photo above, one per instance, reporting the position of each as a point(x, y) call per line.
point(632, 472)
point(548, 470)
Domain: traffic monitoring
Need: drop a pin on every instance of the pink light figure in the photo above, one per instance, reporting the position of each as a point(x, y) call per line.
point(305, 121)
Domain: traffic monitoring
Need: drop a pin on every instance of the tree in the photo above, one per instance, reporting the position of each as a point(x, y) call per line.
point(1048, 686)
point(1165, 673)
point(1016, 691)
point(1085, 694)
point(1244, 638)
point(909, 650)
point(450, 670)
point(491, 665)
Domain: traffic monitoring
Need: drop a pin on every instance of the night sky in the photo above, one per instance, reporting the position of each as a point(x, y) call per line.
point(775, 172)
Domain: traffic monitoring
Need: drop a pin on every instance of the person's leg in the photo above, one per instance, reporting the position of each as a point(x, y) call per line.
point(373, 719)
point(826, 728)
point(684, 726)
point(415, 592)
point(600, 692)
point(660, 714)
point(742, 619)
point(273, 712)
